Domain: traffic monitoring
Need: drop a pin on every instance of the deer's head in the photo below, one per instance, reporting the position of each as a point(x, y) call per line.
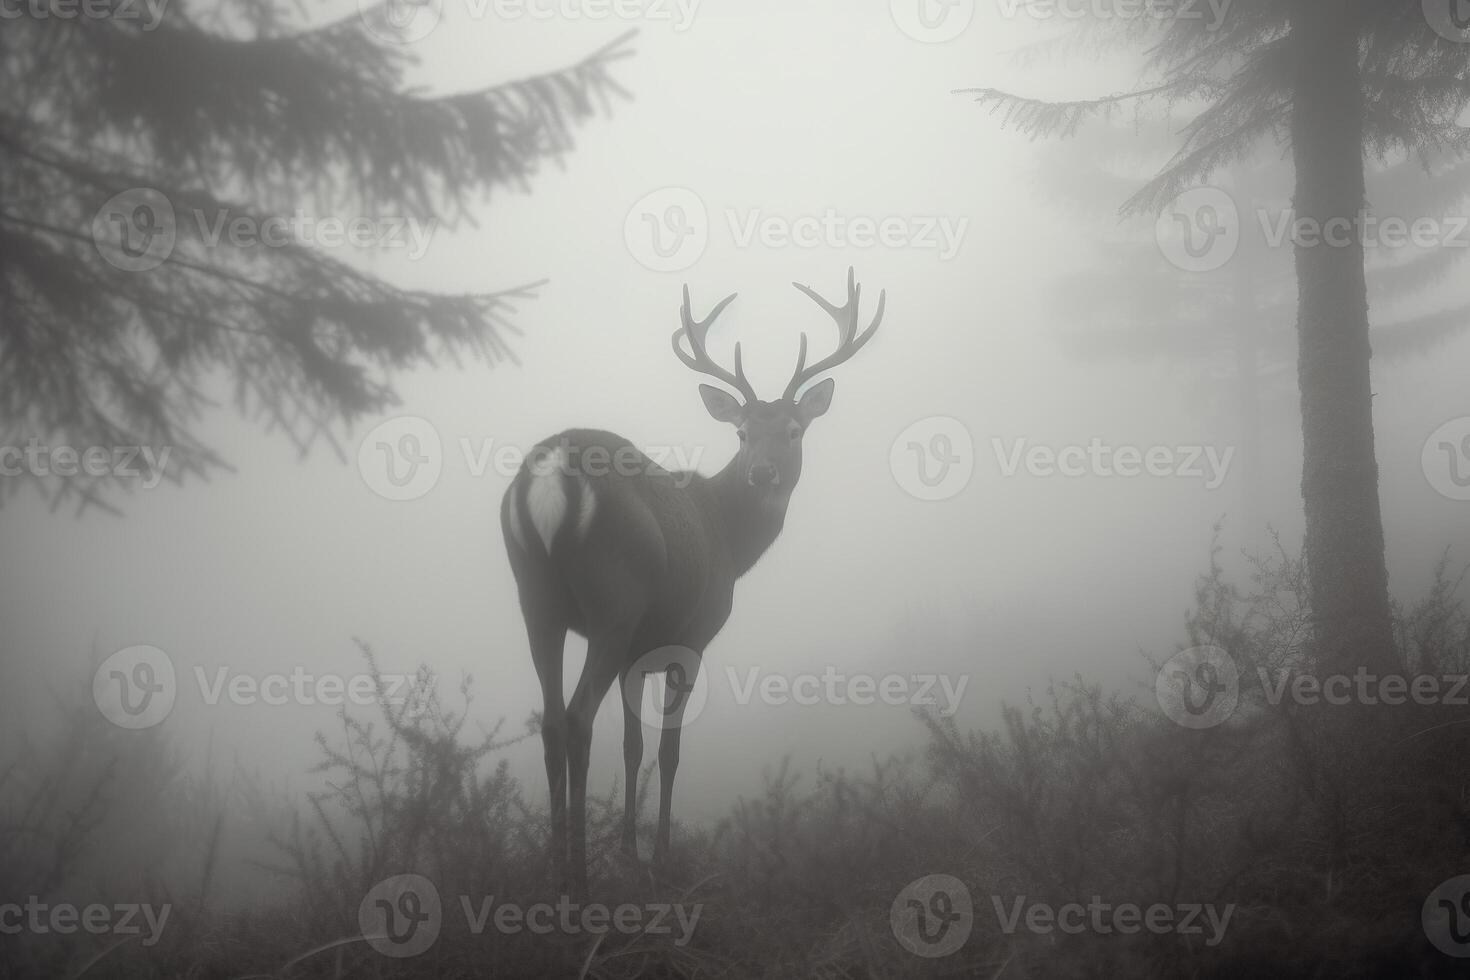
point(769, 458)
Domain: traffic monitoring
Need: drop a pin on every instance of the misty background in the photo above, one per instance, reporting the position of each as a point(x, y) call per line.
point(758, 108)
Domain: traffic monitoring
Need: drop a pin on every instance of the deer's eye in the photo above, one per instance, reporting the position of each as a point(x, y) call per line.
point(741, 434)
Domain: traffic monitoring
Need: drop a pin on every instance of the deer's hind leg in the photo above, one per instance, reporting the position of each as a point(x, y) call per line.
point(548, 640)
point(606, 650)
point(632, 759)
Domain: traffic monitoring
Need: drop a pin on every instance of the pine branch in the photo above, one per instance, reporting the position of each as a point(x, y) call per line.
point(231, 127)
point(1039, 118)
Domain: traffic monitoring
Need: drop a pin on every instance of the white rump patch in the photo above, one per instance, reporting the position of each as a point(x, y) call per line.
point(546, 497)
point(586, 508)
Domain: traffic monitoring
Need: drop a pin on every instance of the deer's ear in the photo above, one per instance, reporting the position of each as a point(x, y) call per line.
point(815, 402)
point(720, 404)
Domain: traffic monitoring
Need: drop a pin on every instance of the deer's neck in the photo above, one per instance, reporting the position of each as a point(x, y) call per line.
point(751, 520)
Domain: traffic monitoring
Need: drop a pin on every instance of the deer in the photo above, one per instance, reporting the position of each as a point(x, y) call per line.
point(636, 558)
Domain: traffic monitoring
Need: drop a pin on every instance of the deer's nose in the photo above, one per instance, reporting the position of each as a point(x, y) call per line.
point(762, 475)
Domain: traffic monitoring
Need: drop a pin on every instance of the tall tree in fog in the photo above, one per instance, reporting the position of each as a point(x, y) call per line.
point(1132, 302)
point(150, 180)
point(1334, 79)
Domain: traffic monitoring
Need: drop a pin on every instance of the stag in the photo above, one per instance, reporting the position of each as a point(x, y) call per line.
point(637, 558)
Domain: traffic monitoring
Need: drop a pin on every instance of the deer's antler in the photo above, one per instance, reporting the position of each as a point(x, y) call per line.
point(698, 359)
point(849, 341)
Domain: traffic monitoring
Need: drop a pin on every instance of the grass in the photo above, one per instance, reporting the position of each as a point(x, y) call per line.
point(1322, 830)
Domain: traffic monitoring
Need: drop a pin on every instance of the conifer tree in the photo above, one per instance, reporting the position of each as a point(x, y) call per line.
point(1339, 82)
point(121, 315)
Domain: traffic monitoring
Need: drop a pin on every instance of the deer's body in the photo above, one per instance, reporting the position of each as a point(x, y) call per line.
point(605, 543)
point(668, 546)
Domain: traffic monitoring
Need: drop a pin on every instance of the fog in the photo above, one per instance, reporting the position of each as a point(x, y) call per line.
point(762, 115)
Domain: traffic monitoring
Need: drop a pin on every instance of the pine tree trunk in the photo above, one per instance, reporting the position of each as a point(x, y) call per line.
point(1344, 527)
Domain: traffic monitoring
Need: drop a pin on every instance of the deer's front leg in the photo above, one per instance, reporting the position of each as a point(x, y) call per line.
point(668, 755)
